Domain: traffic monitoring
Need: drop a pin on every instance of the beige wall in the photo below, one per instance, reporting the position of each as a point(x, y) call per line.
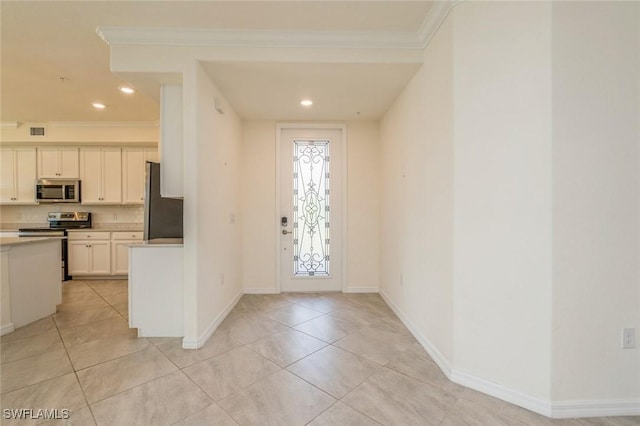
point(81, 133)
point(502, 217)
point(259, 214)
point(543, 154)
point(211, 204)
point(259, 207)
point(417, 201)
point(596, 196)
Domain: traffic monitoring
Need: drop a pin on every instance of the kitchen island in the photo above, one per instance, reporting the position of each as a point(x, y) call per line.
point(30, 278)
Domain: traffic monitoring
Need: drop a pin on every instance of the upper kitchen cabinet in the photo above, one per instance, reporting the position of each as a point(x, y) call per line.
point(101, 175)
point(133, 172)
point(58, 163)
point(17, 176)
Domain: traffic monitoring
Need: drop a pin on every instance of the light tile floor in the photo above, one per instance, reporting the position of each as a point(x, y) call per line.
point(291, 359)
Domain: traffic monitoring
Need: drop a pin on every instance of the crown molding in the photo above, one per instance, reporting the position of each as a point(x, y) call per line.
point(286, 39)
point(436, 16)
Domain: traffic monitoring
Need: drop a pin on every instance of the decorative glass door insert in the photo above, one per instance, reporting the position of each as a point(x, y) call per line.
point(311, 208)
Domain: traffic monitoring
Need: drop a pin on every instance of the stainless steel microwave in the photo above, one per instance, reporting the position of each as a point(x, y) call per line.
point(58, 191)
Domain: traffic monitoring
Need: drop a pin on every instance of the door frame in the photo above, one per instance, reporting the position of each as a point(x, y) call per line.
point(341, 250)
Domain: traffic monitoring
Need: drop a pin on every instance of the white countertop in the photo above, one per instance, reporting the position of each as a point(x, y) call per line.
point(160, 242)
point(112, 227)
point(14, 241)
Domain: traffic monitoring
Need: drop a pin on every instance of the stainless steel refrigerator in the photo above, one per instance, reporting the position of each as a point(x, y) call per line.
point(162, 216)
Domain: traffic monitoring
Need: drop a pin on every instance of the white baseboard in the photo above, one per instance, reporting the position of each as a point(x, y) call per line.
point(361, 290)
point(6, 329)
point(568, 409)
point(261, 291)
point(433, 352)
point(559, 410)
point(501, 392)
point(196, 344)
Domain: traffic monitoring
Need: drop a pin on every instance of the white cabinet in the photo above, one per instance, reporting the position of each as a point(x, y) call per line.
point(101, 175)
point(133, 172)
point(58, 163)
point(100, 252)
point(89, 253)
point(17, 175)
point(120, 242)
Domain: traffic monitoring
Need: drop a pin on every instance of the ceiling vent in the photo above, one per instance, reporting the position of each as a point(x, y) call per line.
point(37, 130)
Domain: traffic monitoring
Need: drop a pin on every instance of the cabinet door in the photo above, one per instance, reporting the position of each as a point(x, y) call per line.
point(7, 175)
point(69, 163)
point(133, 173)
point(111, 175)
point(58, 163)
point(134, 169)
point(25, 176)
point(48, 163)
point(79, 257)
point(91, 175)
point(120, 257)
point(100, 257)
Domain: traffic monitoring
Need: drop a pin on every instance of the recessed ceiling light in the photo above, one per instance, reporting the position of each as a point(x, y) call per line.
point(98, 105)
point(306, 102)
point(127, 90)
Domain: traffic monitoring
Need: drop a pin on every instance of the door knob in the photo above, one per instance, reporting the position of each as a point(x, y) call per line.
point(285, 232)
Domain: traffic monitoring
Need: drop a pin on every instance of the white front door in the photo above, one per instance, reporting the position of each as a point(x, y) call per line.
point(311, 215)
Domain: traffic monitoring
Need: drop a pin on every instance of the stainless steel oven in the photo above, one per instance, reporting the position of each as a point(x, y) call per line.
point(59, 222)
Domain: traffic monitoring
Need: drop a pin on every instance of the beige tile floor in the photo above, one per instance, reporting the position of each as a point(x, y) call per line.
point(291, 359)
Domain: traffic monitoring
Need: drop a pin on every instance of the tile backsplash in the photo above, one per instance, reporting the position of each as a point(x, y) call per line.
point(100, 214)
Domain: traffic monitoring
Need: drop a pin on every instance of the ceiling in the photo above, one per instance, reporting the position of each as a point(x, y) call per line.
point(54, 65)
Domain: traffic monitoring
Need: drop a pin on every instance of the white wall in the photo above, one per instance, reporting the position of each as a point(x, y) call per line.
point(259, 206)
point(81, 133)
point(502, 217)
point(596, 195)
point(363, 207)
point(417, 200)
point(211, 205)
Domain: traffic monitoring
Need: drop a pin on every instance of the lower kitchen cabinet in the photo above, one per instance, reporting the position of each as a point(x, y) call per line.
point(120, 242)
point(100, 253)
point(89, 258)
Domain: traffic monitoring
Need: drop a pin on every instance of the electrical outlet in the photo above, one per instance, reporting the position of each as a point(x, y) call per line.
point(628, 338)
point(221, 279)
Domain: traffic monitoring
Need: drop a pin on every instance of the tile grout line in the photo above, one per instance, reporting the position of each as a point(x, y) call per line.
point(75, 372)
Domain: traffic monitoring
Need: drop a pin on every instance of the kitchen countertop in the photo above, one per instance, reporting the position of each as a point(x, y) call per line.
point(14, 241)
point(111, 227)
point(160, 242)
